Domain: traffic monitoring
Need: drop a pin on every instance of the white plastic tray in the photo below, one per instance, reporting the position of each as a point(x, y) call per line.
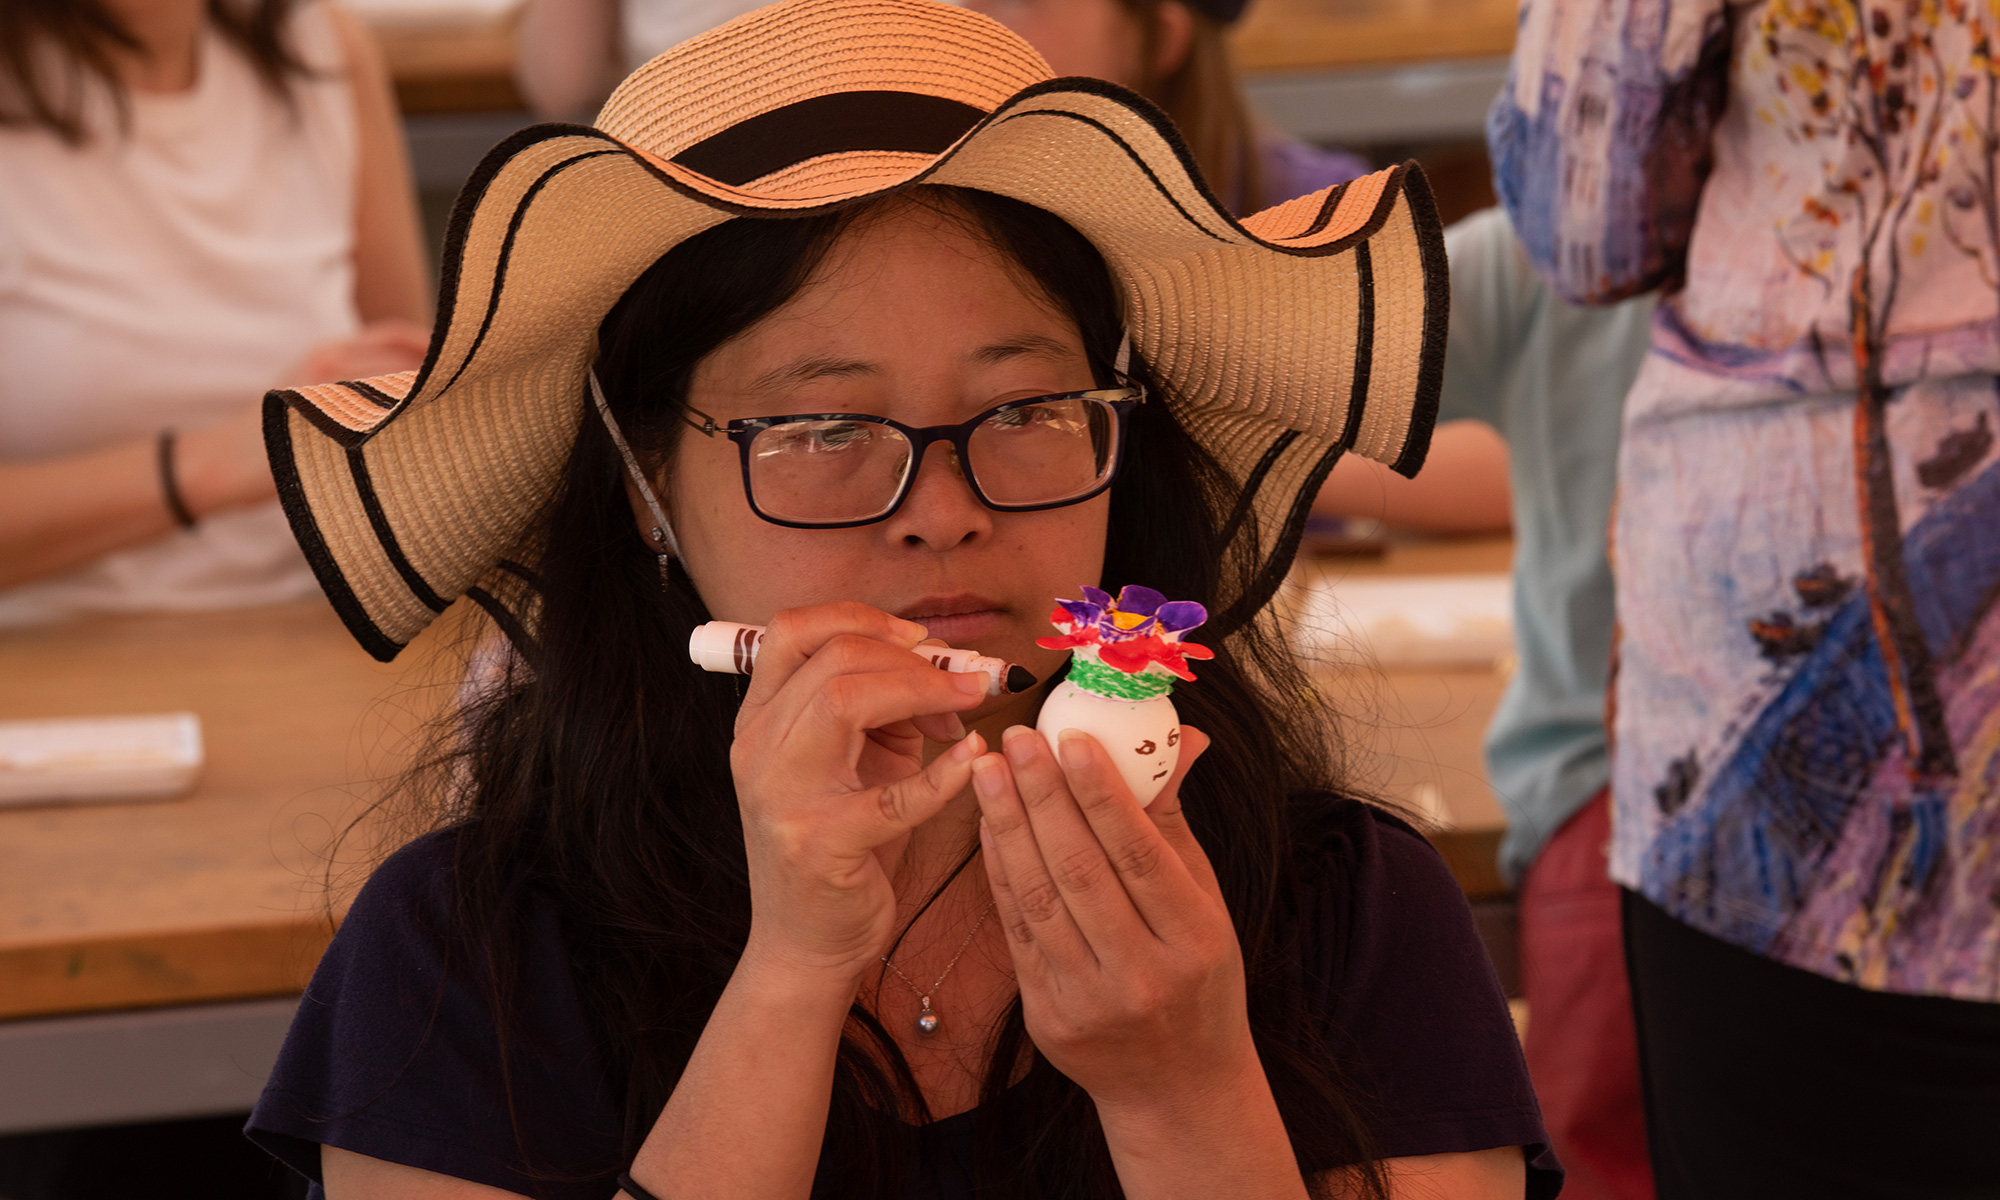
point(1434, 621)
point(99, 758)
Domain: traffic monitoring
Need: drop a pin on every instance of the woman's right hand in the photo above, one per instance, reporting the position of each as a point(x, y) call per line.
point(828, 761)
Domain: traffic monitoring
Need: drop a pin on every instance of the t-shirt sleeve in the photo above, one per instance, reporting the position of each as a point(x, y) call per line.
point(1495, 295)
point(395, 1052)
point(1408, 997)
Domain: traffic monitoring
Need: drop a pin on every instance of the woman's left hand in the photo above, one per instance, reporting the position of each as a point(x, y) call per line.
point(1130, 974)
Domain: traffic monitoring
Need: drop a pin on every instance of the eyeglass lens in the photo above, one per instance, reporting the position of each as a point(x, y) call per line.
point(837, 471)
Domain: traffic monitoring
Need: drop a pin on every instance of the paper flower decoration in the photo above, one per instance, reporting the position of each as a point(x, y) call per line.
point(1139, 630)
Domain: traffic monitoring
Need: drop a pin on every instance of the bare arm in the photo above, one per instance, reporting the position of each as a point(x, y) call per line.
point(1497, 1174)
point(749, 1113)
point(390, 279)
point(59, 513)
point(1462, 488)
point(568, 56)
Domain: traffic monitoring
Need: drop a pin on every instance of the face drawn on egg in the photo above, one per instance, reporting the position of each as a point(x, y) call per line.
point(1142, 738)
point(1161, 766)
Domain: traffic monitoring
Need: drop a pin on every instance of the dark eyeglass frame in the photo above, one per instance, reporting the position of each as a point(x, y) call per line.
point(743, 431)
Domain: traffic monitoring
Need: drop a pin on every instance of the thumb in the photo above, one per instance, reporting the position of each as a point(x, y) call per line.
point(909, 802)
point(1165, 810)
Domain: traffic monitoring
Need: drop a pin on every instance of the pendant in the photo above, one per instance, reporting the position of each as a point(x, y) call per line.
point(927, 1023)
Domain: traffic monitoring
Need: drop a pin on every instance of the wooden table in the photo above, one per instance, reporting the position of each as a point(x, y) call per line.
point(1295, 35)
point(151, 953)
point(227, 892)
point(1417, 732)
point(445, 69)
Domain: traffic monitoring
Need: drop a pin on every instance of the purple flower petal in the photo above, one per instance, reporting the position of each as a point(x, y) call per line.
point(1081, 611)
point(1097, 596)
point(1137, 598)
point(1178, 616)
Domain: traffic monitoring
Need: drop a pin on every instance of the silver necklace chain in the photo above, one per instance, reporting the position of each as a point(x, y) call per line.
point(927, 1021)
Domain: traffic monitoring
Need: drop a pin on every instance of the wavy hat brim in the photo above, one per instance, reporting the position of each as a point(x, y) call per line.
point(1283, 339)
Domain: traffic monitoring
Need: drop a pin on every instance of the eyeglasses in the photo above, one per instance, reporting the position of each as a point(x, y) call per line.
point(833, 470)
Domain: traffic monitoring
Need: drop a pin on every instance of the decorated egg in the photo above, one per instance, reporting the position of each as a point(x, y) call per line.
point(1125, 655)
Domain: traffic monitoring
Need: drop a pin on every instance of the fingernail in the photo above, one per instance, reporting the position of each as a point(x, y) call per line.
point(1073, 748)
point(912, 630)
point(957, 726)
point(972, 683)
point(968, 746)
point(986, 780)
point(1018, 742)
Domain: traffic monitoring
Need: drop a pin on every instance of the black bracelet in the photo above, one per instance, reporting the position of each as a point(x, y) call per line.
point(632, 1189)
point(171, 490)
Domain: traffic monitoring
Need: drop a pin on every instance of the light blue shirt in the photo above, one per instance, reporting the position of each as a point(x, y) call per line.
point(1551, 377)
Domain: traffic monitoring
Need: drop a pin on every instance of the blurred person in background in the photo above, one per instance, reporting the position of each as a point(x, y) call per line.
point(1176, 54)
point(199, 200)
point(1805, 782)
point(570, 53)
point(1173, 52)
point(1548, 377)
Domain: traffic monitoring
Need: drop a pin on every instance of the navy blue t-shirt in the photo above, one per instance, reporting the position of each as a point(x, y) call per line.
point(394, 1053)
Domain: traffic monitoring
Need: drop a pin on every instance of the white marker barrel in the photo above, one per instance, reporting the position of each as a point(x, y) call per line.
point(725, 646)
point(728, 648)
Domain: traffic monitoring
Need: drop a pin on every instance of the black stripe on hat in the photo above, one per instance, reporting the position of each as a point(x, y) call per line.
point(369, 392)
point(1246, 500)
point(1364, 342)
point(364, 487)
point(520, 214)
point(516, 633)
point(1327, 208)
point(305, 527)
point(906, 122)
point(1138, 160)
point(1437, 319)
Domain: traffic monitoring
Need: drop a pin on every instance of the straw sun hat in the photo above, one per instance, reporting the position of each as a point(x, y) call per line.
point(1309, 328)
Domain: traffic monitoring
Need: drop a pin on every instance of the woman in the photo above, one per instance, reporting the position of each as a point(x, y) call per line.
point(1806, 794)
point(679, 925)
point(198, 199)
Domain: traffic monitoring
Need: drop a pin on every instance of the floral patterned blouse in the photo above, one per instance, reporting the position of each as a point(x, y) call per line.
point(1807, 544)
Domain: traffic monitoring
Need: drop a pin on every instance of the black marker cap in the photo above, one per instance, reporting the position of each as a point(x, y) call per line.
point(1019, 679)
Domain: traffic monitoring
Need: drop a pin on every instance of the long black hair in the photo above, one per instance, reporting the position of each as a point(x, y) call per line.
point(46, 90)
point(596, 775)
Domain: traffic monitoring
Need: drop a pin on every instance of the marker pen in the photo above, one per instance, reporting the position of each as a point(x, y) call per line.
point(731, 649)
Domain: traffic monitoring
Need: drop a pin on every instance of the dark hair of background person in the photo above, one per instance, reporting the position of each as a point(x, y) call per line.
point(597, 772)
point(1205, 99)
point(52, 50)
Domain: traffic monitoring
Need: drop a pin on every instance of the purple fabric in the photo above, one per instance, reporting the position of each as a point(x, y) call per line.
point(1293, 168)
point(396, 1057)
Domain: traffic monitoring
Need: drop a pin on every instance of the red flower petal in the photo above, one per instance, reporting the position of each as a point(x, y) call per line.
point(1133, 656)
point(1083, 637)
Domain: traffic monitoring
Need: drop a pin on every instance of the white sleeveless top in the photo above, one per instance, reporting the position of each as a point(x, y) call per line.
point(165, 275)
